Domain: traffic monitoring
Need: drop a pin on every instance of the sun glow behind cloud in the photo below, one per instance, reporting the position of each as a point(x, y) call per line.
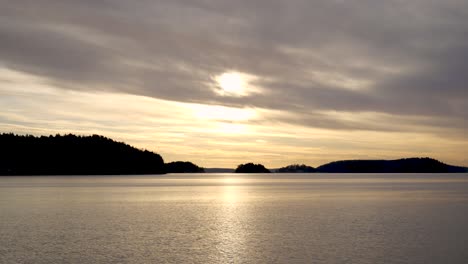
point(234, 84)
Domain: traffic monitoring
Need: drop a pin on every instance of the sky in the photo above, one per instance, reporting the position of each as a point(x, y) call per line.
point(225, 82)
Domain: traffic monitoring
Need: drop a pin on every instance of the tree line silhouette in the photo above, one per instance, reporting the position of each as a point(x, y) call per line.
point(74, 155)
point(98, 155)
point(251, 168)
point(296, 168)
point(183, 167)
point(408, 165)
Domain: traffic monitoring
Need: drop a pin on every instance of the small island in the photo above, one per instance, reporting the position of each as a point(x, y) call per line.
point(251, 168)
point(296, 168)
point(183, 167)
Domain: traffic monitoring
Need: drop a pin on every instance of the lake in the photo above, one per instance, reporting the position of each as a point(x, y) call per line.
point(235, 218)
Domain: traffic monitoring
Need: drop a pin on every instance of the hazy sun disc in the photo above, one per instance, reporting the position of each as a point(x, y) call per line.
point(232, 84)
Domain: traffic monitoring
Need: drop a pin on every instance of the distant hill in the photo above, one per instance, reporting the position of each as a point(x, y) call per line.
point(296, 168)
point(410, 165)
point(251, 168)
point(183, 167)
point(219, 170)
point(74, 155)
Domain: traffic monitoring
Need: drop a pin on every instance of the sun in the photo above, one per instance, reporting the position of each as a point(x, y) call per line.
point(232, 84)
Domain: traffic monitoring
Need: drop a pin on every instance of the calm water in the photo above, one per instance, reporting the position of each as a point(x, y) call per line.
point(228, 218)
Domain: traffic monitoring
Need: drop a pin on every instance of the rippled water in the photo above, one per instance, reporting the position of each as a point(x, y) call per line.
point(229, 218)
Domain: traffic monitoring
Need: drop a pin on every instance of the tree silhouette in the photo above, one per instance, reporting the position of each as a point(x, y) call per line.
point(251, 168)
point(183, 167)
point(296, 168)
point(410, 165)
point(73, 155)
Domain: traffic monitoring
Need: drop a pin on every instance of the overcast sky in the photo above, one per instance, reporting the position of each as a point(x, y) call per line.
point(225, 82)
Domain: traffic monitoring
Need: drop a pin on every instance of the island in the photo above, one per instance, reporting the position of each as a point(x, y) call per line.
point(183, 167)
point(251, 168)
point(74, 155)
point(296, 168)
point(408, 165)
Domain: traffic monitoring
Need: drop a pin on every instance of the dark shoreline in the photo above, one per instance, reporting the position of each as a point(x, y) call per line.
point(61, 155)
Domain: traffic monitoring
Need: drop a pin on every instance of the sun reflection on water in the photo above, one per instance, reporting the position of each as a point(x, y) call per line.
point(232, 220)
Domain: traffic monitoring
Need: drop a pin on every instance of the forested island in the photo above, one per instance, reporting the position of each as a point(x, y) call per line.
point(80, 155)
point(183, 167)
point(409, 165)
point(98, 155)
point(251, 168)
point(296, 168)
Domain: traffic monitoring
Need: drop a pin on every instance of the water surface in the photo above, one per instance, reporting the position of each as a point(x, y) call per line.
point(235, 218)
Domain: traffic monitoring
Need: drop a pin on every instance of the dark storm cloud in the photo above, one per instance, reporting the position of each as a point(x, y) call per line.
point(409, 56)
